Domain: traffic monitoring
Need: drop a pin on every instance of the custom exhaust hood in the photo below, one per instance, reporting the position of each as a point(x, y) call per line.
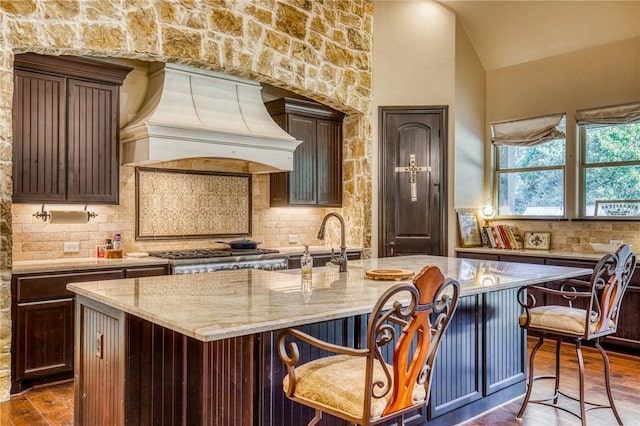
point(195, 113)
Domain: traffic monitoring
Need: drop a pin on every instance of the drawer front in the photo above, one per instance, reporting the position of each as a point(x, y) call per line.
point(147, 271)
point(44, 287)
point(479, 256)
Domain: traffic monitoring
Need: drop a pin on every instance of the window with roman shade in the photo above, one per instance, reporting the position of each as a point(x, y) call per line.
point(610, 161)
point(530, 166)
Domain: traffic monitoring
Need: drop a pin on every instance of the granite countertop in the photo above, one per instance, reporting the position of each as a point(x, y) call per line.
point(79, 264)
point(218, 305)
point(298, 250)
point(559, 254)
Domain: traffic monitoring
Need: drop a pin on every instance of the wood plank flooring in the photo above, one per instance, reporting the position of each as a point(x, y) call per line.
point(53, 405)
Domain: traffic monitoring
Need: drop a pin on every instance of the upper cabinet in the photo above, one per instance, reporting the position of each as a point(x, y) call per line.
point(65, 129)
point(316, 179)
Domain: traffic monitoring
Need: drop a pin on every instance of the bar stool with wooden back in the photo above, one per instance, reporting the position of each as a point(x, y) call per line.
point(358, 385)
point(589, 311)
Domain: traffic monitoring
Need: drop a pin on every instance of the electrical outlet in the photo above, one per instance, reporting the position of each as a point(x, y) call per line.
point(293, 238)
point(71, 247)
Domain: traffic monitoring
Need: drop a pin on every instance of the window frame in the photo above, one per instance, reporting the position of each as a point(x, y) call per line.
point(498, 171)
point(582, 172)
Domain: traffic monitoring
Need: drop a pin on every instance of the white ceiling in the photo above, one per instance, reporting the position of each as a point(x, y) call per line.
point(506, 33)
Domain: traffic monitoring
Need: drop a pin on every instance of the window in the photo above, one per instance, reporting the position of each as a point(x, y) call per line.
point(530, 166)
point(610, 169)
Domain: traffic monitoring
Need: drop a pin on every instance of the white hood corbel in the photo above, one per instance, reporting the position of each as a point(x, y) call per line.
point(195, 113)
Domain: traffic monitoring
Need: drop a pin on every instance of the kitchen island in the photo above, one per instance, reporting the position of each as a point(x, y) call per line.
point(199, 349)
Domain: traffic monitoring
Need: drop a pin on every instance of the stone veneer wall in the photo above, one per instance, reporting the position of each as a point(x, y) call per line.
point(321, 50)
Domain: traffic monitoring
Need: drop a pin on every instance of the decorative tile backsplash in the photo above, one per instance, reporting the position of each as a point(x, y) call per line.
point(179, 203)
point(34, 239)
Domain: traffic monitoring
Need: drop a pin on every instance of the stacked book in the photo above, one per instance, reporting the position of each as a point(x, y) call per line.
point(502, 236)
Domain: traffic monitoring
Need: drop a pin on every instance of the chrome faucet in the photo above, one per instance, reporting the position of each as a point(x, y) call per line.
point(341, 259)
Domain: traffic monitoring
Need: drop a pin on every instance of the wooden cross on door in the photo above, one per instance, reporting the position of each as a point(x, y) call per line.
point(412, 169)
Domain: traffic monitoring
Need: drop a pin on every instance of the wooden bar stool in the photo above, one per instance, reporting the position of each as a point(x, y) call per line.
point(358, 385)
point(600, 300)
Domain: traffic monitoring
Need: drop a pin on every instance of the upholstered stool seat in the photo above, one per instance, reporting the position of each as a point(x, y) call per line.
point(561, 319)
point(337, 383)
point(388, 377)
point(602, 298)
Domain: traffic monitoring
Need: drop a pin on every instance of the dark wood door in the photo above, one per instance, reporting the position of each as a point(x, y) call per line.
point(329, 159)
point(302, 179)
point(92, 165)
point(39, 134)
point(45, 338)
point(413, 181)
point(316, 179)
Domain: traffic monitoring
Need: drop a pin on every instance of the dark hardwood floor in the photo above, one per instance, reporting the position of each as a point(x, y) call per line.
point(53, 405)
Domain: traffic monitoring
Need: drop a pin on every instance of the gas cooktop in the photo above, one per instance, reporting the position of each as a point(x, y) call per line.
point(209, 253)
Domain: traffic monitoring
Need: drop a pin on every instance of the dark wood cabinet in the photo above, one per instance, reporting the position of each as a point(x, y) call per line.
point(45, 342)
point(316, 179)
point(65, 129)
point(627, 337)
point(43, 321)
point(146, 271)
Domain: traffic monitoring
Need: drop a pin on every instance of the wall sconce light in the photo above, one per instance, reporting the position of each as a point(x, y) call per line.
point(487, 212)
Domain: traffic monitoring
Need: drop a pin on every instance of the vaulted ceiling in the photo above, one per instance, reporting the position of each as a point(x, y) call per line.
point(506, 33)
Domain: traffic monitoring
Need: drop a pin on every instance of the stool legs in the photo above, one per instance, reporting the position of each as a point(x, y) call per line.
point(583, 414)
point(530, 378)
point(607, 383)
point(581, 398)
point(557, 384)
point(316, 419)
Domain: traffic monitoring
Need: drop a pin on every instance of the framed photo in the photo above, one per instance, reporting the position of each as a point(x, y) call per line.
point(469, 230)
point(617, 208)
point(537, 240)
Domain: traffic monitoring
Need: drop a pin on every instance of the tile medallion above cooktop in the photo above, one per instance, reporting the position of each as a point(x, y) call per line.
point(191, 204)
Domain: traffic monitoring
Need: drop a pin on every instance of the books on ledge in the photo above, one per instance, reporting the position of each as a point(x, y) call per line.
point(502, 237)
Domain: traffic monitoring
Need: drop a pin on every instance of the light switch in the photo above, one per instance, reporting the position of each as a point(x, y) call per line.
point(293, 238)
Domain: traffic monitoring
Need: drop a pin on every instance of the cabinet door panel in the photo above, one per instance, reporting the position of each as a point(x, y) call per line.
point(329, 161)
point(45, 338)
point(93, 142)
point(316, 179)
point(39, 117)
point(302, 180)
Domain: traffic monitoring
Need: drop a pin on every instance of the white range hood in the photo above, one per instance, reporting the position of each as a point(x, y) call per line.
point(194, 113)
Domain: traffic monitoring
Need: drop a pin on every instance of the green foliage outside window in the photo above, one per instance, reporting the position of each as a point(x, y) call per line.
point(611, 164)
point(531, 179)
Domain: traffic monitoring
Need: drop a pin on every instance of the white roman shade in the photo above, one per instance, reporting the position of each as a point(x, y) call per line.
point(617, 114)
point(527, 132)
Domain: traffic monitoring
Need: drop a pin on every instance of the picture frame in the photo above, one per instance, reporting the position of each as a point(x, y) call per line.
point(617, 208)
point(469, 229)
point(537, 240)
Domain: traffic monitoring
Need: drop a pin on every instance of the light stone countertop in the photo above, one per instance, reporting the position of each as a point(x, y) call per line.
point(79, 264)
point(298, 250)
point(559, 254)
point(218, 305)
